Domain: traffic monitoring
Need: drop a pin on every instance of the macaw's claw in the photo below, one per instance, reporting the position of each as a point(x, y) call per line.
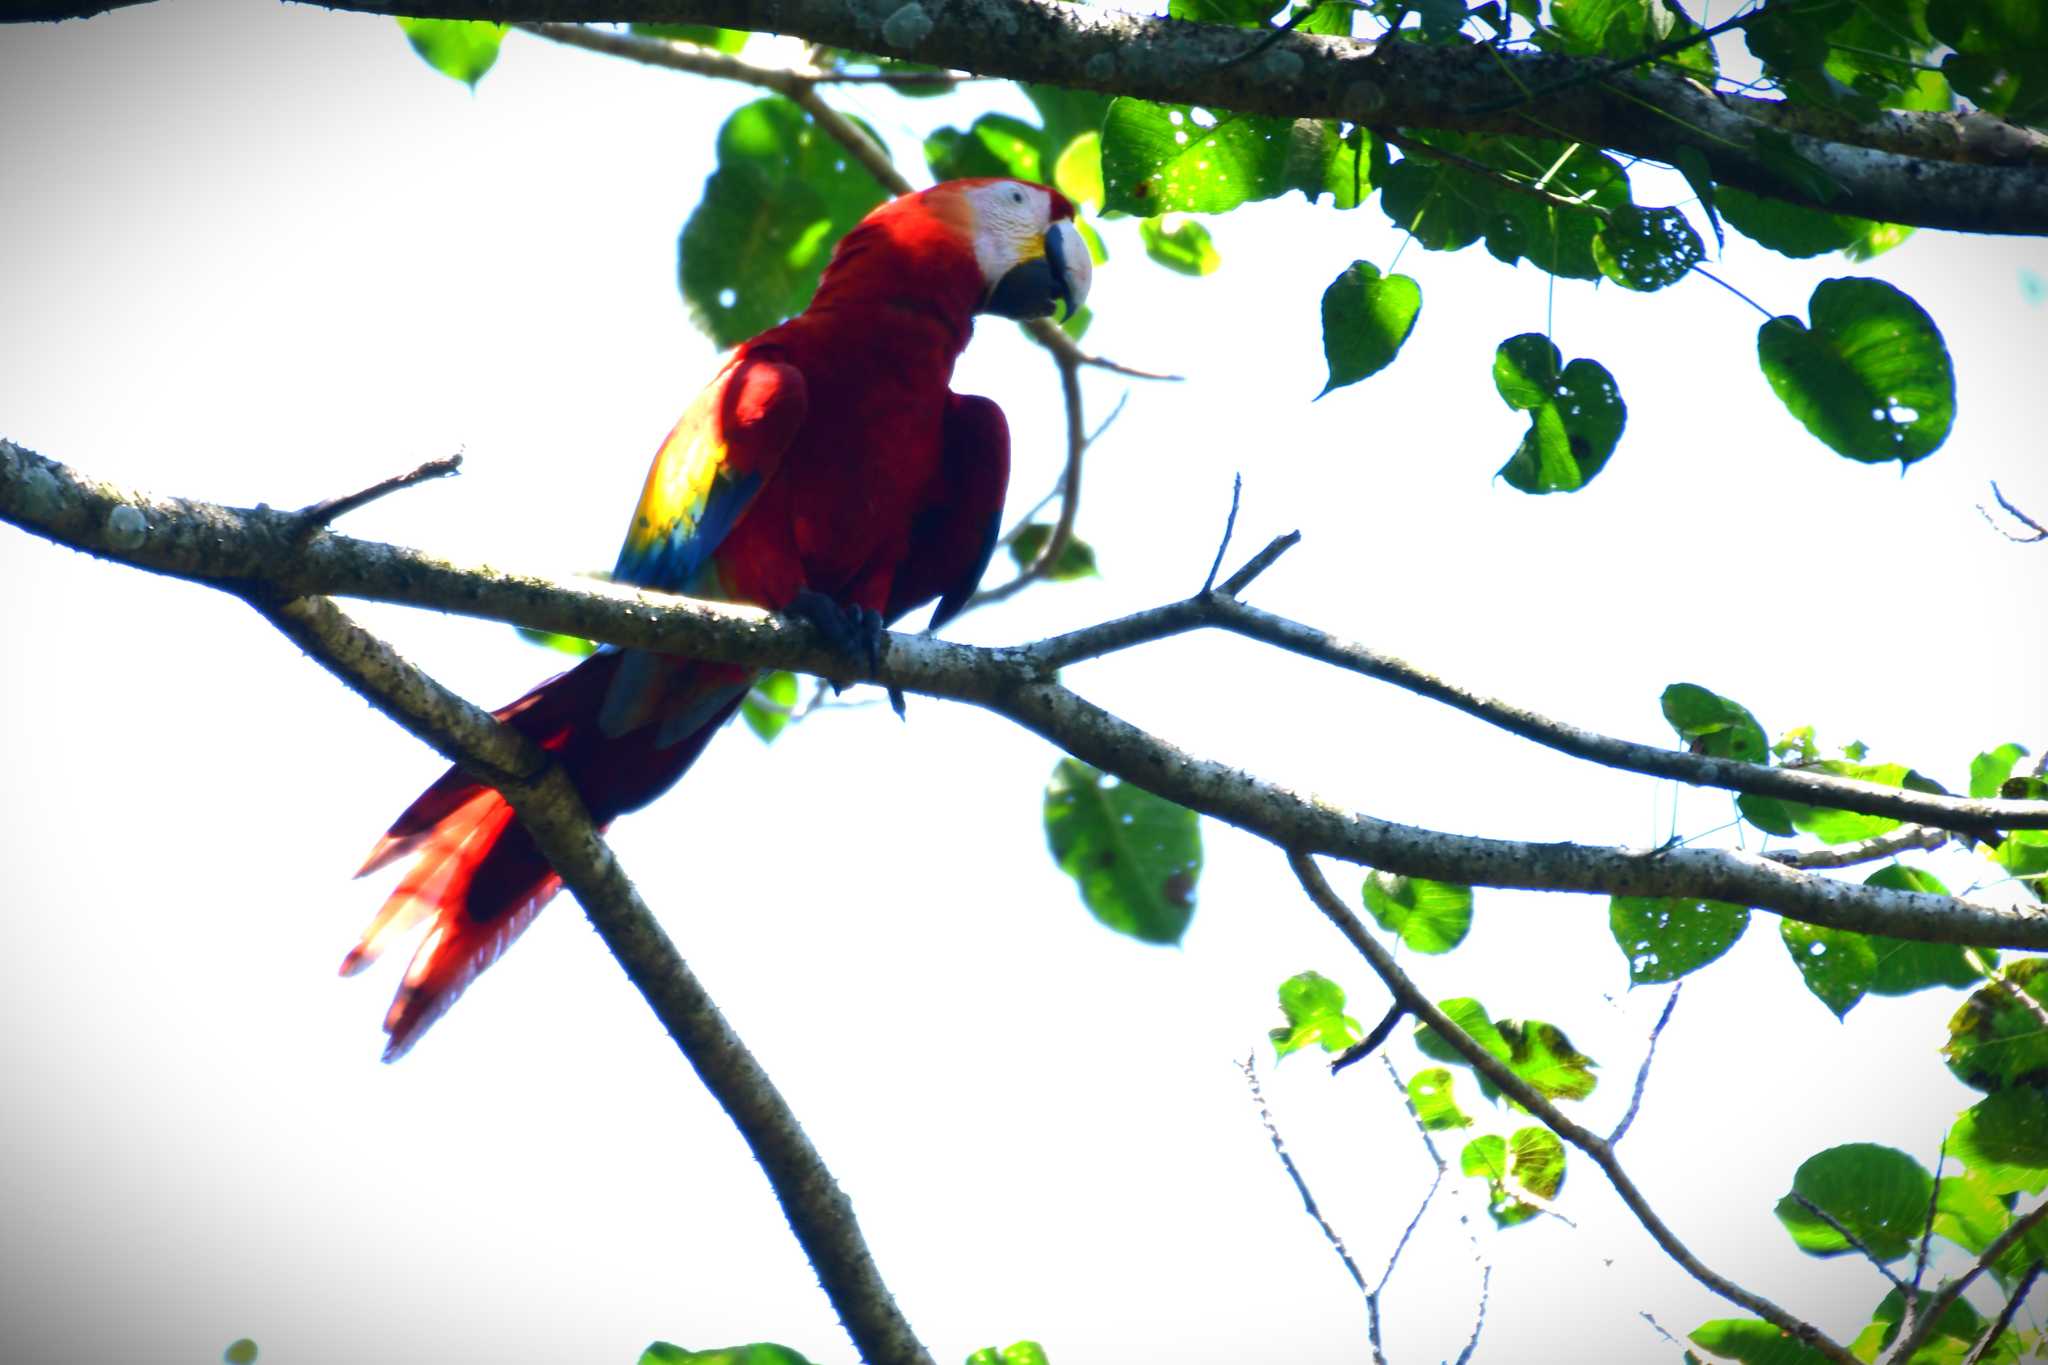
point(852, 630)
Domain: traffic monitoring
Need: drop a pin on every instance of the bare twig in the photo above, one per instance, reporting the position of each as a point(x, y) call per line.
point(1069, 491)
point(1260, 562)
point(1635, 1099)
point(550, 808)
point(1907, 1342)
point(1436, 1159)
point(1909, 1296)
point(1982, 1350)
point(316, 516)
point(236, 548)
point(2040, 531)
point(1479, 1317)
point(1904, 839)
point(1496, 1071)
point(1370, 1044)
point(1229, 525)
point(1249, 1066)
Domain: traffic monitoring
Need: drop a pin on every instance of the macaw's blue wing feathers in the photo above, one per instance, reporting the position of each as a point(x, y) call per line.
point(727, 445)
point(954, 535)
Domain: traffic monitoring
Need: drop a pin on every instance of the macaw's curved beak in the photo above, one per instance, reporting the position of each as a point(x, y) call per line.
point(1039, 286)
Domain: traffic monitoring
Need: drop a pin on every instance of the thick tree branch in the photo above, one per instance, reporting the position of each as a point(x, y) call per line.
point(550, 808)
point(242, 549)
point(1407, 993)
point(1973, 173)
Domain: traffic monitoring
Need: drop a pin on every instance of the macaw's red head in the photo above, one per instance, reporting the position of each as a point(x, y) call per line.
point(1007, 247)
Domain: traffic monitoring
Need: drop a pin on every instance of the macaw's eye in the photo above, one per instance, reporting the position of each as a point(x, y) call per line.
point(1016, 196)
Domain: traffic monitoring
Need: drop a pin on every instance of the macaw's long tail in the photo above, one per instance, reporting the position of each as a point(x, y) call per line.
point(477, 880)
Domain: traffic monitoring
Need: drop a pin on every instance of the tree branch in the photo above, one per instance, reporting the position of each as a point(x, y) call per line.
point(1635, 1099)
point(1407, 993)
point(1908, 1342)
point(552, 811)
point(239, 549)
point(1249, 1066)
point(1982, 1350)
point(1972, 173)
point(1901, 840)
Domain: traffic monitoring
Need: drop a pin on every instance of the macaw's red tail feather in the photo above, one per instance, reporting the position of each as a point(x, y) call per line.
point(478, 880)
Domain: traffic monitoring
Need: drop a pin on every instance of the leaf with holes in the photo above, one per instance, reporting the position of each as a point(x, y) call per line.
point(1838, 965)
point(1536, 1162)
point(462, 49)
point(1185, 249)
point(1429, 1093)
point(1665, 938)
point(1314, 1007)
point(1878, 1195)
point(1646, 249)
point(1136, 857)
point(1575, 415)
point(1544, 1057)
point(783, 195)
point(1430, 917)
point(1168, 158)
point(1871, 377)
point(1367, 318)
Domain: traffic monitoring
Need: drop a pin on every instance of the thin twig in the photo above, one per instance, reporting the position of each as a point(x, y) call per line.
point(1982, 1351)
point(1260, 562)
point(1496, 1071)
point(1478, 1318)
point(1848, 1235)
point(1635, 1099)
point(1615, 68)
point(1370, 1044)
point(1436, 1159)
point(552, 811)
point(1070, 494)
point(1494, 174)
point(1927, 1225)
point(1902, 840)
point(1249, 1066)
point(2040, 531)
point(1909, 1342)
point(1229, 525)
point(316, 516)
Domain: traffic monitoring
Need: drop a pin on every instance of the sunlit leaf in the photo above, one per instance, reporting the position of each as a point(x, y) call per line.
point(1871, 377)
point(782, 196)
point(1838, 965)
point(1967, 1207)
point(463, 49)
point(1136, 857)
point(1996, 1041)
point(1955, 1334)
point(1165, 158)
point(2003, 1139)
point(1541, 1055)
point(1989, 770)
point(1665, 938)
point(996, 145)
point(1078, 172)
point(760, 1353)
point(1021, 1353)
point(1878, 1194)
point(1713, 725)
point(1536, 1161)
point(1753, 1343)
point(1430, 917)
point(1367, 317)
point(1314, 1007)
point(726, 40)
point(1435, 1108)
point(769, 705)
point(1185, 248)
point(574, 645)
point(1470, 1016)
point(1646, 249)
point(1576, 415)
point(1076, 559)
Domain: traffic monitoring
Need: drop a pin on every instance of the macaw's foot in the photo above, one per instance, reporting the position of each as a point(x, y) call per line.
point(852, 630)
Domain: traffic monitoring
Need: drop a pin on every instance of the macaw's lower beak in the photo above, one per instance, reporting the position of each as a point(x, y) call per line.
point(1042, 285)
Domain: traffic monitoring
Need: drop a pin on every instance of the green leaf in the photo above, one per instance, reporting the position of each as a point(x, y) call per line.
point(1871, 378)
point(1367, 317)
point(782, 196)
point(2001, 53)
point(1237, 13)
point(2003, 1139)
point(1954, 1334)
point(1164, 158)
point(1879, 1194)
point(1430, 917)
point(1541, 1055)
point(1842, 826)
point(1322, 159)
point(1789, 229)
point(1904, 966)
point(1575, 416)
point(1429, 1092)
point(1077, 560)
point(1968, 1210)
point(1186, 249)
point(996, 145)
point(1469, 1015)
point(1136, 857)
point(1078, 173)
point(1753, 1343)
point(1995, 1041)
point(1838, 964)
point(760, 1353)
point(1782, 158)
point(1314, 1006)
point(1537, 1162)
point(1665, 938)
point(1330, 20)
point(1022, 1353)
point(726, 40)
point(769, 704)
point(1692, 164)
point(1989, 770)
point(241, 1351)
point(1486, 1157)
point(567, 644)
point(1712, 724)
point(1066, 114)
point(463, 49)
point(1646, 249)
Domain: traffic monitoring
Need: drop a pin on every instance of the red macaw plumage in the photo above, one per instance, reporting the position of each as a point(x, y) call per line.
point(828, 465)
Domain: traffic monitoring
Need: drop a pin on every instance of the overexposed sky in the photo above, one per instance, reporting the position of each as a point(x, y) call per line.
point(262, 253)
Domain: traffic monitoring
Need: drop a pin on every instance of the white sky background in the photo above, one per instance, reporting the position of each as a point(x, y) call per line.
point(262, 253)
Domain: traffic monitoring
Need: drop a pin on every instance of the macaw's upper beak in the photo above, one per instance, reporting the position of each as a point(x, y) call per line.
point(1037, 286)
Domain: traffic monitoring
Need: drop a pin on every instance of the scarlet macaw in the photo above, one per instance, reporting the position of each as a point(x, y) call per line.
point(827, 469)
